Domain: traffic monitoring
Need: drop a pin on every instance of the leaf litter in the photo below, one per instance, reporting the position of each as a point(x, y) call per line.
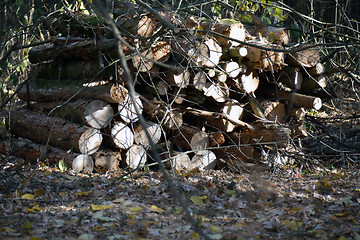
point(49, 204)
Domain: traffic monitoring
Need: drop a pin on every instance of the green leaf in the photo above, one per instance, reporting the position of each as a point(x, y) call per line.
point(197, 200)
point(62, 165)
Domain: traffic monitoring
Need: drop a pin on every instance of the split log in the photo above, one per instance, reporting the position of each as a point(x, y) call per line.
point(203, 160)
point(274, 111)
point(42, 129)
point(161, 51)
point(107, 160)
point(122, 135)
point(33, 152)
point(215, 53)
point(98, 114)
point(83, 163)
point(90, 141)
point(247, 82)
point(136, 157)
point(262, 59)
point(303, 58)
point(234, 111)
point(154, 130)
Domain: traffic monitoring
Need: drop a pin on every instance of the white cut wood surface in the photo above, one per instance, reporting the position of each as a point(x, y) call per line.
point(136, 156)
point(181, 161)
point(204, 159)
point(199, 141)
point(233, 69)
point(199, 80)
point(154, 130)
point(98, 114)
point(215, 53)
point(234, 111)
point(90, 141)
point(127, 109)
point(122, 135)
point(83, 163)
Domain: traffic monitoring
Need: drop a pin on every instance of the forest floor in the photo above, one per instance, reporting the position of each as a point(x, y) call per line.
point(45, 203)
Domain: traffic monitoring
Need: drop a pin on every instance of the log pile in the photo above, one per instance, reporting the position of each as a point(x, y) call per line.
point(211, 92)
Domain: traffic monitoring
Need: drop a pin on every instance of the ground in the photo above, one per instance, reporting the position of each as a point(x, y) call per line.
point(45, 203)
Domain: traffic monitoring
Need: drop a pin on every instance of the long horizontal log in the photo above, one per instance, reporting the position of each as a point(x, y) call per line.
point(63, 93)
point(45, 130)
point(33, 152)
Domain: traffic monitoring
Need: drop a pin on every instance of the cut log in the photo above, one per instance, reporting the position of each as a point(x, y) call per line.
point(98, 114)
point(180, 162)
point(136, 157)
point(262, 59)
point(161, 51)
point(83, 163)
point(233, 69)
point(272, 34)
point(232, 30)
point(212, 118)
point(200, 80)
point(107, 160)
point(127, 110)
point(143, 25)
point(162, 88)
point(234, 111)
point(274, 111)
point(218, 91)
point(184, 50)
point(203, 160)
point(122, 135)
point(217, 75)
point(74, 69)
point(186, 132)
point(90, 141)
point(43, 129)
point(215, 53)
point(290, 77)
point(314, 83)
point(238, 52)
point(33, 152)
point(63, 93)
point(318, 69)
point(247, 82)
point(84, 49)
point(295, 99)
point(235, 156)
point(303, 58)
point(199, 141)
point(154, 130)
point(73, 111)
point(171, 118)
point(143, 61)
point(179, 77)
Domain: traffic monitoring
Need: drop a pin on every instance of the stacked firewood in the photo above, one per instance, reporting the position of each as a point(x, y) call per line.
point(211, 92)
